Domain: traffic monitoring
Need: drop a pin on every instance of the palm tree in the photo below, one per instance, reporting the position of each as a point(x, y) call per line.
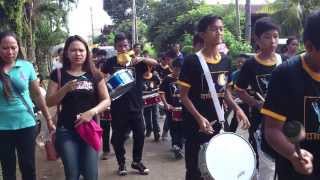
point(291, 14)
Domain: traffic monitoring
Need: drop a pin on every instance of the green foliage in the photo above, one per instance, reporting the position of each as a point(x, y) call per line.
point(151, 50)
point(11, 12)
point(172, 28)
point(117, 9)
point(291, 14)
point(235, 46)
point(126, 27)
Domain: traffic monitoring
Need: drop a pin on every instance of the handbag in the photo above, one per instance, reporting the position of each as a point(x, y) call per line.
point(51, 152)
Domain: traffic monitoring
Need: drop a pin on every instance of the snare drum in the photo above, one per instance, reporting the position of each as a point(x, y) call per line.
point(120, 83)
point(176, 114)
point(227, 156)
point(151, 99)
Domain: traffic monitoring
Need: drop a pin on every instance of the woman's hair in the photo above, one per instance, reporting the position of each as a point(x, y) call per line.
point(88, 65)
point(7, 89)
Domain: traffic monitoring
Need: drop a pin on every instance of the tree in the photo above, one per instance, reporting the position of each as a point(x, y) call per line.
point(119, 10)
point(291, 14)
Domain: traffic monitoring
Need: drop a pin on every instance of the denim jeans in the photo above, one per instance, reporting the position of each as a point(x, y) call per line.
point(77, 156)
point(151, 118)
point(22, 141)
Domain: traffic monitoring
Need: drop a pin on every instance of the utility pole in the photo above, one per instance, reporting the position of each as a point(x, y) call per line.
point(134, 23)
point(248, 21)
point(92, 28)
point(238, 30)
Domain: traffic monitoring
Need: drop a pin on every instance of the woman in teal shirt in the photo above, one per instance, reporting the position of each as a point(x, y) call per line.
point(17, 123)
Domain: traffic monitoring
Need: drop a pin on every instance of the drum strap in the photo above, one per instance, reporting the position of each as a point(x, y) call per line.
point(212, 89)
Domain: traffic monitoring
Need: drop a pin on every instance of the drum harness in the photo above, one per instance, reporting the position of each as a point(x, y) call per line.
point(216, 103)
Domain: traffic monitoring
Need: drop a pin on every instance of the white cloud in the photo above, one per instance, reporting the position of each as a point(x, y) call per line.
point(79, 19)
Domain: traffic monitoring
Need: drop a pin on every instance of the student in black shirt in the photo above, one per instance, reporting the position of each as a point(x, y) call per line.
point(294, 95)
point(170, 96)
point(199, 110)
point(255, 74)
point(126, 111)
point(163, 68)
point(151, 112)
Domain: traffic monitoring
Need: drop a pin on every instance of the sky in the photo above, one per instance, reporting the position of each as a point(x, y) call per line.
point(79, 19)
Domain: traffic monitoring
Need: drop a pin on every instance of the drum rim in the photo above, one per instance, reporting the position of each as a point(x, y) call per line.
point(254, 153)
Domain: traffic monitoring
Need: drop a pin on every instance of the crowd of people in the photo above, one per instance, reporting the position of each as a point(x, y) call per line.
point(265, 91)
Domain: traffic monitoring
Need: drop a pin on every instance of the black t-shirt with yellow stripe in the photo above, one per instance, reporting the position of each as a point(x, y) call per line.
point(192, 77)
point(294, 94)
point(170, 88)
point(254, 76)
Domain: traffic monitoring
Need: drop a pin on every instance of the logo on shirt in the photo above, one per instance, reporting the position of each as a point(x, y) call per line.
point(263, 83)
point(84, 85)
point(312, 117)
point(220, 80)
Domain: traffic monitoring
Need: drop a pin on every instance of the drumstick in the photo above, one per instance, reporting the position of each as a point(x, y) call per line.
point(260, 97)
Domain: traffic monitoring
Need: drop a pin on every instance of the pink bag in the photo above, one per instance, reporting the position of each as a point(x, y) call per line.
point(91, 133)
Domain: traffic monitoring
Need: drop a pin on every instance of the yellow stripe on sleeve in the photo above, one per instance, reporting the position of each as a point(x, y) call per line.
point(273, 115)
point(181, 83)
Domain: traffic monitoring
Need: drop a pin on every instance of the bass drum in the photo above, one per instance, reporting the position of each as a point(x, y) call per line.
point(227, 156)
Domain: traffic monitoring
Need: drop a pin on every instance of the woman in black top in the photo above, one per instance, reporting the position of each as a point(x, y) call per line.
point(83, 95)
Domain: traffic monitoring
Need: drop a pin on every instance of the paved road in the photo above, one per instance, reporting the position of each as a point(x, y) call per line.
point(157, 157)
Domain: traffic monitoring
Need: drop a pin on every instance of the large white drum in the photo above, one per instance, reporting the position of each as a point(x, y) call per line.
point(227, 156)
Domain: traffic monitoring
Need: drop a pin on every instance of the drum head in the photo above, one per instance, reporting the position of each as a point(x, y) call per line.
point(121, 90)
point(229, 156)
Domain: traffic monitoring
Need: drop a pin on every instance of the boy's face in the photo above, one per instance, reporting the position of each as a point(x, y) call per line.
point(122, 46)
point(214, 33)
point(268, 41)
point(313, 52)
point(293, 46)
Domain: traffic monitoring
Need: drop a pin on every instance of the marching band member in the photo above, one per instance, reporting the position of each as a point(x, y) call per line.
point(293, 95)
point(199, 110)
point(126, 111)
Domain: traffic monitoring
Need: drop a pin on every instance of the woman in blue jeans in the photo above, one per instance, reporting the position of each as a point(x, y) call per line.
point(18, 81)
point(83, 95)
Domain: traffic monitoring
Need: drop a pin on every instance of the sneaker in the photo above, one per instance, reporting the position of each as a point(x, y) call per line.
point(164, 135)
point(122, 171)
point(156, 137)
point(140, 167)
point(148, 133)
point(177, 152)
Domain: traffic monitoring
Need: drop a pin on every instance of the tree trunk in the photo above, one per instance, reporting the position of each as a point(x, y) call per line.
point(248, 21)
point(42, 61)
point(238, 30)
